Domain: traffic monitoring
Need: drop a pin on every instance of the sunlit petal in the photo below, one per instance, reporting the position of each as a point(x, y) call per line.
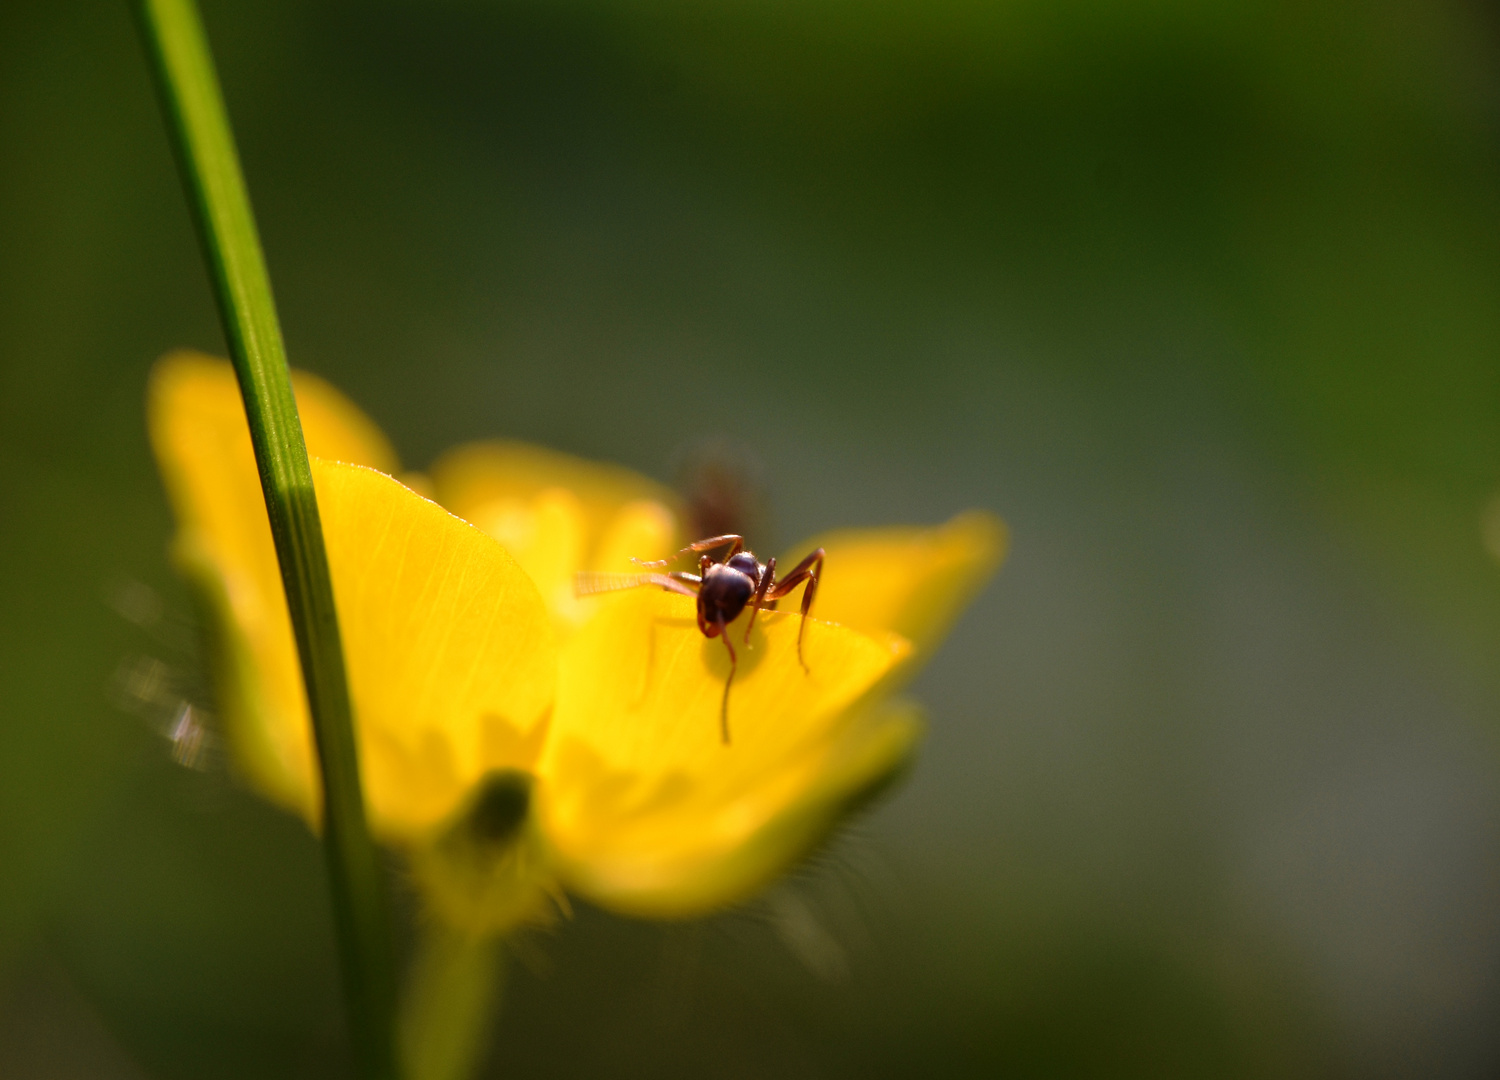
point(449, 647)
point(488, 869)
point(471, 476)
point(546, 535)
point(557, 514)
point(647, 809)
point(641, 529)
point(913, 581)
point(223, 544)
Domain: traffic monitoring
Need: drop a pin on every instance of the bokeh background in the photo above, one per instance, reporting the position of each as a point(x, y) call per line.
point(1203, 298)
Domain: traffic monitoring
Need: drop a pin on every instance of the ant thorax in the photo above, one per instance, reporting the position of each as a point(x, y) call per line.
point(747, 564)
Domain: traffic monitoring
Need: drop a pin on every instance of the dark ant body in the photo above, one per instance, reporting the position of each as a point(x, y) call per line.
point(723, 590)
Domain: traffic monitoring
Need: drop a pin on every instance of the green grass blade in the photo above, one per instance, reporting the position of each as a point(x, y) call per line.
point(199, 126)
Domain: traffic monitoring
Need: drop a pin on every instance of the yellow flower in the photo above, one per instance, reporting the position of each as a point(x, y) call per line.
point(515, 738)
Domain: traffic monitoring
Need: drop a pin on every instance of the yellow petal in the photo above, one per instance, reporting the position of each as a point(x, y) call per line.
point(647, 811)
point(546, 535)
point(640, 529)
point(487, 870)
point(558, 514)
point(223, 544)
point(449, 647)
point(195, 399)
point(913, 581)
point(470, 476)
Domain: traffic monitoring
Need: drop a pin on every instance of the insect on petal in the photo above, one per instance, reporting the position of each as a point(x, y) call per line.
point(646, 808)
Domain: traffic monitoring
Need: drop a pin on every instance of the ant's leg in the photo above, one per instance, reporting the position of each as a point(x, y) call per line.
point(767, 579)
point(734, 663)
point(813, 574)
point(586, 583)
point(678, 583)
point(735, 541)
point(809, 570)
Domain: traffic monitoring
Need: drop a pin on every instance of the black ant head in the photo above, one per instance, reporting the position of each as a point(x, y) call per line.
point(724, 594)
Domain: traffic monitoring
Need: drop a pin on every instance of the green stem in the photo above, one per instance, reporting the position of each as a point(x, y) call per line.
point(450, 1001)
point(210, 166)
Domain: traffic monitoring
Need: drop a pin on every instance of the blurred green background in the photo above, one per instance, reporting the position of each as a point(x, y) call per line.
point(1204, 299)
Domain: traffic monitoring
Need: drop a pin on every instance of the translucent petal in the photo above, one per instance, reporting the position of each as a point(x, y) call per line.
point(223, 544)
point(637, 528)
point(546, 535)
point(647, 810)
point(488, 870)
point(471, 476)
point(913, 581)
point(451, 659)
point(450, 654)
point(558, 514)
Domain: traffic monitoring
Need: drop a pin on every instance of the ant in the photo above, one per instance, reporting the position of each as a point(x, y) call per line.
point(723, 590)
